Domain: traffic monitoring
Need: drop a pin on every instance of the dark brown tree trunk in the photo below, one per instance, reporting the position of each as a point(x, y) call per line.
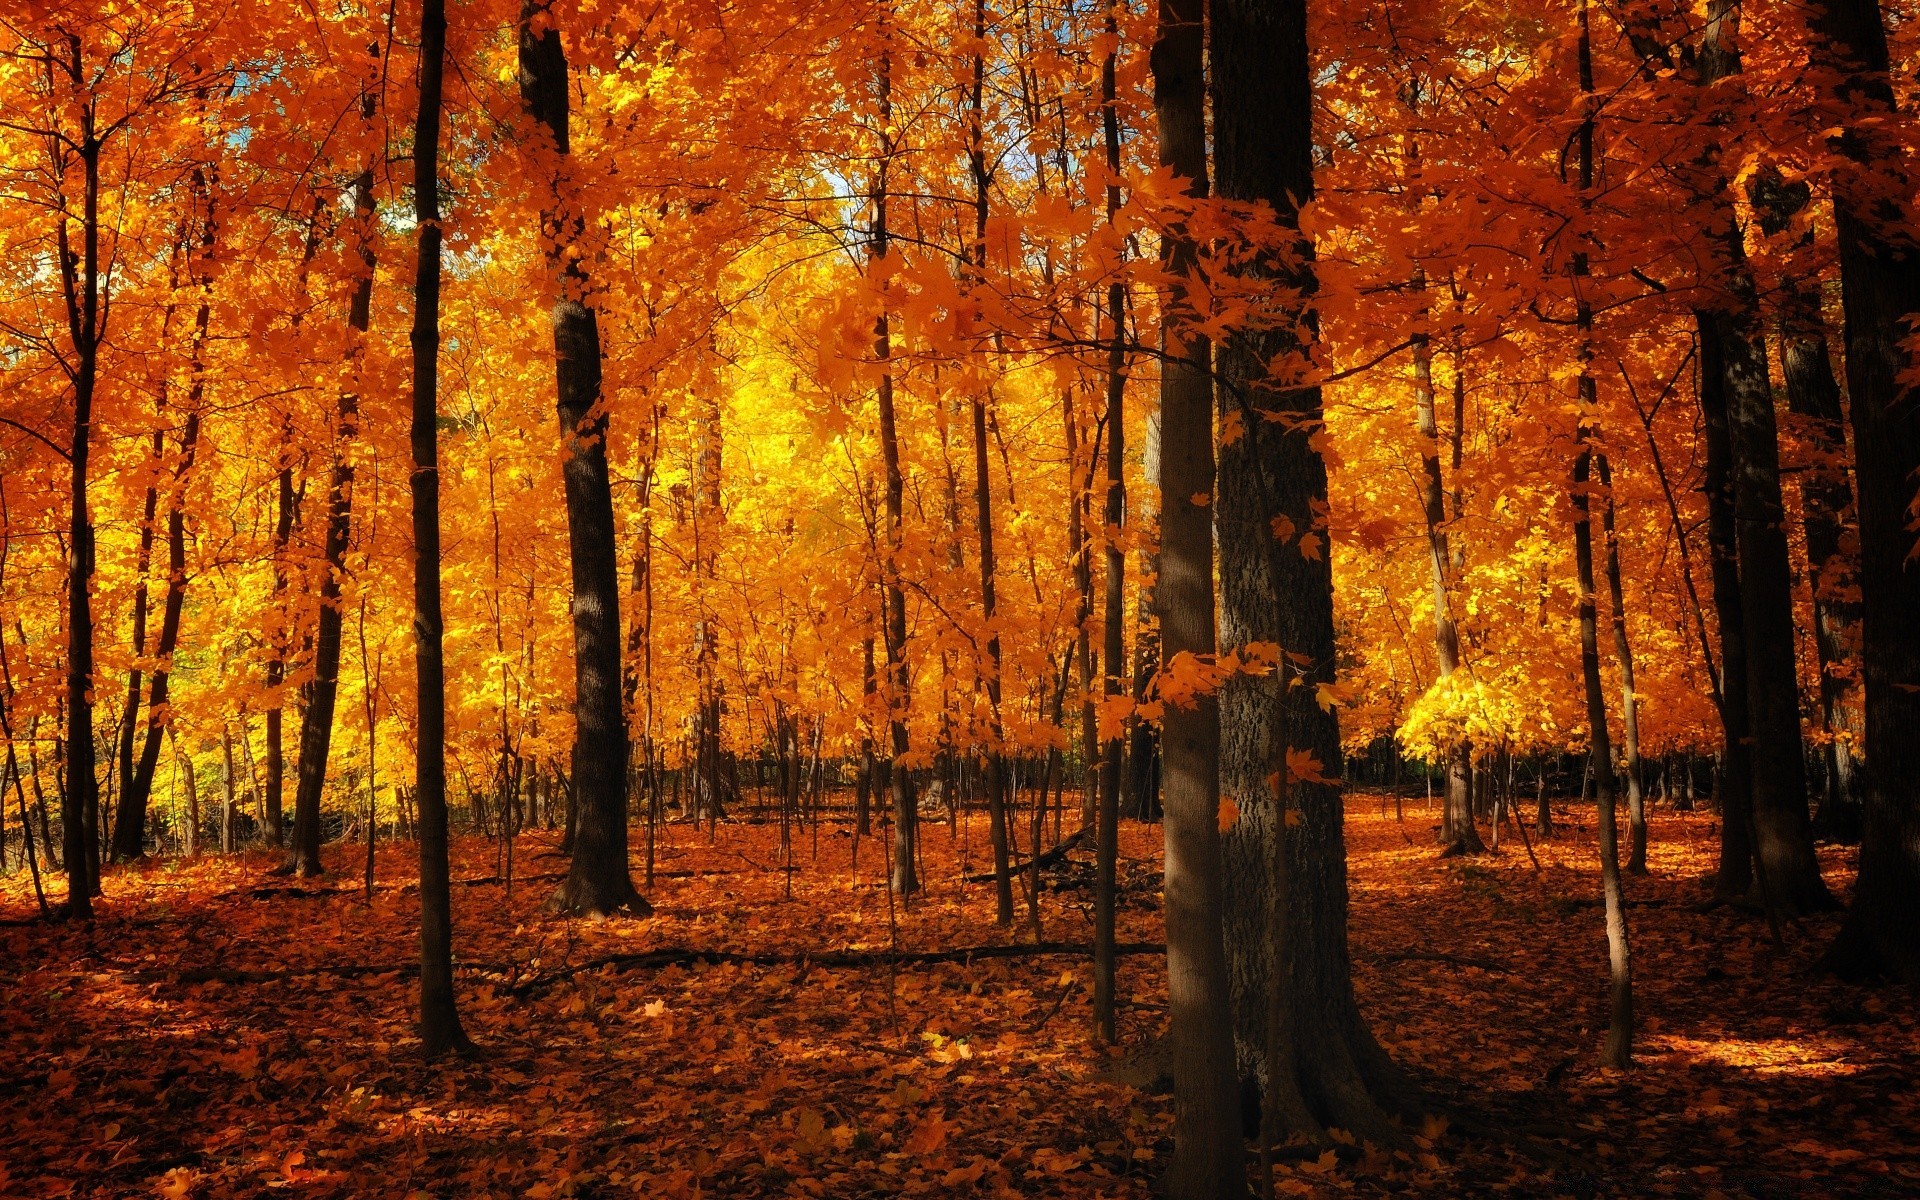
point(1826, 501)
point(1106, 851)
point(1208, 1160)
point(1782, 829)
point(598, 879)
point(1301, 1038)
point(440, 1030)
point(316, 723)
point(1733, 793)
point(1880, 290)
point(905, 879)
point(277, 662)
point(996, 762)
point(81, 793)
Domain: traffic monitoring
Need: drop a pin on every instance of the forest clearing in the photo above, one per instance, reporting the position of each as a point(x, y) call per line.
point(1205, 598)
point(205, 1039)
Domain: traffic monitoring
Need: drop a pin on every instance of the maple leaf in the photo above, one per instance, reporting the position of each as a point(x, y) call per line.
point(929, 1134)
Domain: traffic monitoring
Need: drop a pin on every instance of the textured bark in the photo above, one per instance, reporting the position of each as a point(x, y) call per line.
point(1208, 1161)
point(1782, 829)
point(1880, 292)
point(1299, 1033)
point(1826, 504)
point(440, 1030)
point(598, 878)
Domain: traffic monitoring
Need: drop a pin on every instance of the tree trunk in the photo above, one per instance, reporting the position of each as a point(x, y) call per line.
point(1733, 791)
point(1826, 502)
point(1106, 851)
point(1300, 1035)
point(1208, 1160)
point(1782, 830)
point(1629, 704)
point(316, 722)
point(1880, 290)
point(440, 1030)
point(80, 795)
point(905, 879)
point(598, 880)
point(1618, 1050)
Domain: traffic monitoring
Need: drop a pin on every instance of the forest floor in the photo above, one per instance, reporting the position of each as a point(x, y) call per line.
point(218, 1033)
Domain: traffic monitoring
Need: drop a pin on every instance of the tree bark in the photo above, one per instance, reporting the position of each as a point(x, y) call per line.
point(598, 879)
point(1208, 1161)
point(1782, 829)
point(440, 1030)
point(316, 723)
point(1880, 293)
point(905, 879)
point(1106, 851)
point(1302, 1042)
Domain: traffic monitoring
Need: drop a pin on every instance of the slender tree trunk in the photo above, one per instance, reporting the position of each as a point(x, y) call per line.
point(1734, 783)
point(905, 880)
point(1629, 704)
point(996, 763)
point(1618, 1050)
point(1208, 1160)
point(81, 792)
point(316, 723)
point(1880, 290)
point(598, 880)
point(440, 1030)
point(1113, 652)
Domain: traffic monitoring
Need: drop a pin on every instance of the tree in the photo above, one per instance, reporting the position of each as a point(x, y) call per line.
point(440, 1031)
point(598, 881)
point(1880, 293)
point(1208, 1160)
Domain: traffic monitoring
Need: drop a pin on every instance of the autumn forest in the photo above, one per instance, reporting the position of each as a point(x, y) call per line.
point(1071, 598)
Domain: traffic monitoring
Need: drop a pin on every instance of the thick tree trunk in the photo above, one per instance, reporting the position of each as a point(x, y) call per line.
point(1782, 829)
point(1301, 1039)
point(1880, 291)
point(598, 880)
point(1826, 502)
point(1208, 1159)
point(1733, 791)
point(440, 1030)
